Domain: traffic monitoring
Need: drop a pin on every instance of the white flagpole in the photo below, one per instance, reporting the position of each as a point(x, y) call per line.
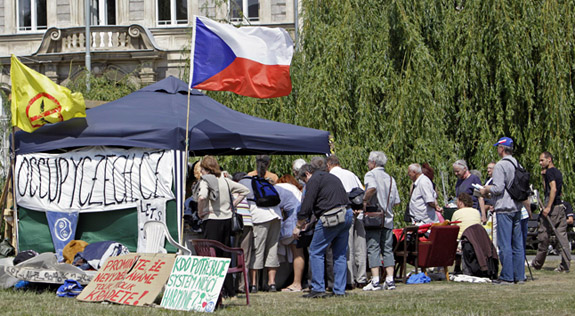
point(185, 163)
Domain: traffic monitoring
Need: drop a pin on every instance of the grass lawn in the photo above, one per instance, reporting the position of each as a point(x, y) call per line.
point(551, 293)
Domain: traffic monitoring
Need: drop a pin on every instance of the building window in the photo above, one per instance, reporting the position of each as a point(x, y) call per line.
point(244, 10)
point(103, 12)
point(172, 12)
point(32, 15)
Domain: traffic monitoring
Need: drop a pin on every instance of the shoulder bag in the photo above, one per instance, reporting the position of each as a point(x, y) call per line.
point(374, 217)
point(237, 219)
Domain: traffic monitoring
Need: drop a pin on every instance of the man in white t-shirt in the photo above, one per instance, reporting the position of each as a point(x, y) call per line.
point(423, 202)
point(357, 252)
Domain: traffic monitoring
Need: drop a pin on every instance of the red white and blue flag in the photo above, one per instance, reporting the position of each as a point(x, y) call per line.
point(249, 61)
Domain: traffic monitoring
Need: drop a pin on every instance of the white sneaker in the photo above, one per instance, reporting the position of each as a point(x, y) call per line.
point(372, 287)
point(389, 285)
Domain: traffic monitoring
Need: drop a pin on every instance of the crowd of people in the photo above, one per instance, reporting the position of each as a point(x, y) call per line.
point(332, 228)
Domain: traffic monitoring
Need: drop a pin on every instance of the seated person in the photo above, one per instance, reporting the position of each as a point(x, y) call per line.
point(465, 213)
point(468, 216)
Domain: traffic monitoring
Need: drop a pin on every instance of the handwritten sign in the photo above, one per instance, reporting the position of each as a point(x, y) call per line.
point(99, 178)
point(133, 279)
point(47, 276)
point(195, 283)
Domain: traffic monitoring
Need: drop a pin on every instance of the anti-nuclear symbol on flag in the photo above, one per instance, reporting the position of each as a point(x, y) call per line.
point(43, 109)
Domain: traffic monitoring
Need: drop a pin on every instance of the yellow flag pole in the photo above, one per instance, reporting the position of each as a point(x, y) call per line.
point(14, 205)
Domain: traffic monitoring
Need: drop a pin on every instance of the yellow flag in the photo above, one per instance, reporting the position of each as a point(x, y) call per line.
point(37, 100)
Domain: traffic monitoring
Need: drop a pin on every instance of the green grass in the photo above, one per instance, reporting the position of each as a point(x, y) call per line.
point(550, 294)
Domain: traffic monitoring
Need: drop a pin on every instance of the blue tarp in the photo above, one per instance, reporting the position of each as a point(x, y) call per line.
point(155, 117)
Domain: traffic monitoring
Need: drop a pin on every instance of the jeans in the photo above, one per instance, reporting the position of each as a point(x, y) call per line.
point(511, 248)
point(337, 236)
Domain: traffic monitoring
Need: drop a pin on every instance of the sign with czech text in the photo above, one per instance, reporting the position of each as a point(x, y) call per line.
point(195, 283)
point(133, 279)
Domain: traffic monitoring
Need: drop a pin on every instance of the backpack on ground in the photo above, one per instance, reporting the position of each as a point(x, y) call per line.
point(265, 194)
point(519, 189)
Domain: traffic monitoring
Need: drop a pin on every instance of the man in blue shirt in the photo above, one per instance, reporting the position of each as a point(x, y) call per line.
point(465, 181)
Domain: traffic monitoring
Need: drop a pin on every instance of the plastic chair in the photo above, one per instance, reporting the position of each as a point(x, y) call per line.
point(439, 250)
point(207, 248)
point(407, 246)
point(155, 232)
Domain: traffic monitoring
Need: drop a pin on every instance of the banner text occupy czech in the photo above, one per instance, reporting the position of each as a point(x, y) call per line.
point(96, 179)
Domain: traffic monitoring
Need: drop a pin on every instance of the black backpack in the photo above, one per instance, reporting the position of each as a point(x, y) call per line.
point(519, 189)
point(265, 194)
point(356, 198)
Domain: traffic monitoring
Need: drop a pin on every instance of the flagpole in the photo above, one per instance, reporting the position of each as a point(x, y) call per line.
point(14, 205)
point(185, 178)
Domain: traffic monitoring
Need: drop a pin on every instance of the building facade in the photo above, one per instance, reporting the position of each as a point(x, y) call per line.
point(146, 40)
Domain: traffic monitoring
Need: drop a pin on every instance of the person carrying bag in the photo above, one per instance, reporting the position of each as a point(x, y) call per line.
point(374, 216)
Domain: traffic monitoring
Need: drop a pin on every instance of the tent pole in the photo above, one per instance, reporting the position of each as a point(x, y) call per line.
point(185, 173)
point(15, 208)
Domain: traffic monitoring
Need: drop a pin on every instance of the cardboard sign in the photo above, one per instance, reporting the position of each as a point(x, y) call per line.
point(195, 283)
point(134, 279)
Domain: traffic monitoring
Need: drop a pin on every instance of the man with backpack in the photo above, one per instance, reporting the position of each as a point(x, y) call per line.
point(554, 211)
point(508, 212)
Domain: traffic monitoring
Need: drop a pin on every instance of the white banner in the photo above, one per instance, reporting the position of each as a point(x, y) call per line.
point(93, 179)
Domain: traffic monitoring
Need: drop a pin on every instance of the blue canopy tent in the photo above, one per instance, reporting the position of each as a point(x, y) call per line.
point(155, 117)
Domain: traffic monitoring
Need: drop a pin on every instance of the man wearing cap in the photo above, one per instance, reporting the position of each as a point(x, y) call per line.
point(555, 211)
point(508, 212)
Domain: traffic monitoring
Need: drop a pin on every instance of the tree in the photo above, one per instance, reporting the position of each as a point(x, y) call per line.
point(431, 81)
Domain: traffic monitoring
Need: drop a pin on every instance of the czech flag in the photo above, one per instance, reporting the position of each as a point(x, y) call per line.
point(249, 61)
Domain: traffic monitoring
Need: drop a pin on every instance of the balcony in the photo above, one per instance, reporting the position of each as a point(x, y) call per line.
point(103, 39)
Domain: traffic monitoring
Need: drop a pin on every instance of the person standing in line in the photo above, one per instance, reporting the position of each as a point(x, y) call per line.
point(325, 194)
point(264, 160)
point(266, 222)
point(357, 252)
point(381, 193)
point(215, 207)
point(508, 212)
point(554, 211)
point(423, 202)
